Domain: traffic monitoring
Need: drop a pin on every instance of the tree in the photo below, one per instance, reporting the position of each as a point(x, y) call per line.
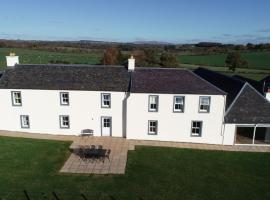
point(112, 56)
point(151, 58)
point(234, 60)
point(168, 60)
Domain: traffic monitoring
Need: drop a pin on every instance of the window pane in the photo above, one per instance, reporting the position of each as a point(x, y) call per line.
point(106, 100)
point(196, 128)
point(152, 127)
point(204, 104)
point(153, 103)
point(65, 121)
point(153, 99)
point(179, 100)
point(16, 98)
point(24, 121)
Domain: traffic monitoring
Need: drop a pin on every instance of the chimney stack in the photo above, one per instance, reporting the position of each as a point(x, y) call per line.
point(131, 63)
point(12, 60)
point(267, 94)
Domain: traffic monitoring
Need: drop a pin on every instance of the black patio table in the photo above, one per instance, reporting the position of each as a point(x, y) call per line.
point(94, 153)
point(86, 152)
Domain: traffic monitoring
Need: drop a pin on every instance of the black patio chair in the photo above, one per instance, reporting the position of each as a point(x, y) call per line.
point(107, 155)
point(81, 153)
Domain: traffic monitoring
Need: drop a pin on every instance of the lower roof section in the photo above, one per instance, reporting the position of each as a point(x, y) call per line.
point(249, 107)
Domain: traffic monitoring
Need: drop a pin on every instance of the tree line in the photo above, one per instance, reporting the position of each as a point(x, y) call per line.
point(145, 58)
point(100, 46)
point(152, 58)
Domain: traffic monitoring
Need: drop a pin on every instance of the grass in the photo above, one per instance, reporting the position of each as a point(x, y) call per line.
point(256, 74)
point(152, 173)
point(256, 60)
point(37, 56)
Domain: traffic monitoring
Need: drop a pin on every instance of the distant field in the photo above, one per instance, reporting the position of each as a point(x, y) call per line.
point(38, 56)
point(256, 60)
point(256, 74)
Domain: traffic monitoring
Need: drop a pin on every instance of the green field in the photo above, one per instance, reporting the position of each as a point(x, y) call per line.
point(151, 173)
point(45, 57)
point(255, 74)
point(256, 60)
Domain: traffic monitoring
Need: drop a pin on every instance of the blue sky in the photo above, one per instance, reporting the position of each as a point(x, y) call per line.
point(179, 21)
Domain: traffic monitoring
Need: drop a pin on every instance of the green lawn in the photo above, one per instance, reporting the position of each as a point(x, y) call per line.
point(37, 56)
point(256, 60)
point(152, 173)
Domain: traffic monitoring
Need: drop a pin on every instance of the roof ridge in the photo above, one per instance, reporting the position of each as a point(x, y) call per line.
point(258, 92)
point(66, 65)
point(225, 75)
point(237, 96)
point(207, 81)
point(163, 68)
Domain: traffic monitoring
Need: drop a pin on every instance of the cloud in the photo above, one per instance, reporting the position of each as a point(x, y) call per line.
point(57, 22)
point(227, 35)
point(266, 30)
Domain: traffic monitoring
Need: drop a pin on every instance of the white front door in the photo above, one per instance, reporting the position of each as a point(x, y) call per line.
point(106, 125)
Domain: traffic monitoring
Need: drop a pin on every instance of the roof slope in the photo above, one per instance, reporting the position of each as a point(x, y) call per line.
point(170, 81)
point(228, 84)
point(66, 77)
point(249, 107)
point(256, 84)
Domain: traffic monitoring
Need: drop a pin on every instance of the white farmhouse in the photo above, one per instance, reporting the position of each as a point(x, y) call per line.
point(135, 103)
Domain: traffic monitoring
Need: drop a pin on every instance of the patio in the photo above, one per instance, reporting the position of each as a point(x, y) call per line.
point(114, 164)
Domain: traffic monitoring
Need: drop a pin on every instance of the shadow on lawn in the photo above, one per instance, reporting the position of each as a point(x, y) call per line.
point(56, 197)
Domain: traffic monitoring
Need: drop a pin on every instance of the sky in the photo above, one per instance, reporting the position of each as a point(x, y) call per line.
point(175, 21)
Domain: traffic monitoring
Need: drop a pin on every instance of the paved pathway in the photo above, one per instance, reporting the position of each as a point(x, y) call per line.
point(119, 149)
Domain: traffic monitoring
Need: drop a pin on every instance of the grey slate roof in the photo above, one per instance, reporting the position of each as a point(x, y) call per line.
point(66, 77)
point(170, 81)
point(256, 84)
point(106, 78)
point(230, 85)
point(249, 107)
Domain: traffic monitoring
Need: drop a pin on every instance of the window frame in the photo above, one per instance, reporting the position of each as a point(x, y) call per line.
point(174, 103)
point(61, 120)
point(21, 120)
point(152, 133)
point(61, 99)
point(13, 98)
point(201, 127)
point(204, 111)
point(102, 100)
point(157, 103)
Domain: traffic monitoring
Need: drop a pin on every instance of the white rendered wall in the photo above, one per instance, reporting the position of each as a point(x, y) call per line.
point(43, 108)
point(175, 126)
point(267, 95)
point(229, 134)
